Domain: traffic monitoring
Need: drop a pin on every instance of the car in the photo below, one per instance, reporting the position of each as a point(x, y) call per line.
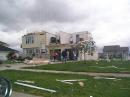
point(5, 87)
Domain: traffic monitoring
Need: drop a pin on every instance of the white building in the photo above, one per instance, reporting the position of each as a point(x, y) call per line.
point(41, 43)
point(4, 51)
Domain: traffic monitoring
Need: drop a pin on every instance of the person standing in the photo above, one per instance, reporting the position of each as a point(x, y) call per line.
point(55, 56)
point(64, 56)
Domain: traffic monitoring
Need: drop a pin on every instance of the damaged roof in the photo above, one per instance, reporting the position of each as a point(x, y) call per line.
point(4, 48)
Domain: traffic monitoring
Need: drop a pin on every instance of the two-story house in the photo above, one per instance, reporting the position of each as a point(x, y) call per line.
point(43, 43)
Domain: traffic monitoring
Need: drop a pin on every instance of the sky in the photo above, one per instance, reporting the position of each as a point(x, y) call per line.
point(107, 20)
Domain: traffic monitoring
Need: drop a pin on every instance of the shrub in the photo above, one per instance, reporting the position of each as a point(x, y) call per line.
point(11, 56)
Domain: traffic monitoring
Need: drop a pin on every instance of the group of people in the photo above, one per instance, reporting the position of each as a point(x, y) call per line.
point(63, 56)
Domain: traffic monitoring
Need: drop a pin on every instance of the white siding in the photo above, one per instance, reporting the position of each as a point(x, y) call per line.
point(3, 55)
point(64, 37)
point(48, 37)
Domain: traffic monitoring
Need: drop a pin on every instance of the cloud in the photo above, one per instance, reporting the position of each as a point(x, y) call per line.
point(108, 20)
point(16, 15)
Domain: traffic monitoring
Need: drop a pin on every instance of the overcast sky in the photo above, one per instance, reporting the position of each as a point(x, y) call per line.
point(107, 20)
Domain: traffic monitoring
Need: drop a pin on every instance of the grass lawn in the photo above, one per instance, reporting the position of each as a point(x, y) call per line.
point(89, 66)
point(92, 87)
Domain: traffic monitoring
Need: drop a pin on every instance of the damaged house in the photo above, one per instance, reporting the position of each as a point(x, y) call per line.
point(44, 44)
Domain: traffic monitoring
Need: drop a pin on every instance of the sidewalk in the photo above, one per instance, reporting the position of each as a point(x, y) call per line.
point(79, 73)
point(17, 94)
point(20, 66)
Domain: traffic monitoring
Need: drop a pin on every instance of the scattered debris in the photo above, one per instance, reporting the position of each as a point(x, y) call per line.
point(73, 80)
point(112, 67)
point(36, 61)
point(26, 81)
point(64, 82)
point(101, 67)
point(107, 67)
point(81, 84)
point(32, 86)
point(96, 62)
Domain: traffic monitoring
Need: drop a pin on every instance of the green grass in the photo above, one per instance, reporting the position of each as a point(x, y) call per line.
point(89, 66)
point(92, 87)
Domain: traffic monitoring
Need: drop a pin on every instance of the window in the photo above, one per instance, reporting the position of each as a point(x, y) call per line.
point(29, 39)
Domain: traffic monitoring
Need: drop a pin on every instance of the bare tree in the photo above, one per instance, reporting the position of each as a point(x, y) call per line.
point(86, 47)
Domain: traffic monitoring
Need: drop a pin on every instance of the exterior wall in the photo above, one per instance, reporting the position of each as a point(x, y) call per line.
point(3, 55)
point(48, 37)
point(39, 42)
point(39, 39)
point(85, 35)
point(64, 37)
point(88, 57)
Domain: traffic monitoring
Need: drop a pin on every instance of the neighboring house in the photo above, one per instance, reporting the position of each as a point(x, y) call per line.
point(42, 43)
point(115, 51)
point(4, 51)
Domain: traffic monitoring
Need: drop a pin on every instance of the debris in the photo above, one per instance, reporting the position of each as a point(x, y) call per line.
point(109, 78)
point(81, 84)
point(26, 81)
point(37, 61)
point(101, 67)
point(96, 62)
point(64, 82)
point(112, 67)
point(107, 67)
point(73, 80)
point(32, 86)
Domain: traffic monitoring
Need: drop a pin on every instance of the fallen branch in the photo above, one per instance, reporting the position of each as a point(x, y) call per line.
point(73, 80)
point(26, 81)
point(35, 87)
point(64, 82)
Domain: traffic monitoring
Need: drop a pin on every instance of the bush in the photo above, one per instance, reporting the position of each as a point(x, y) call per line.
point(11, 56)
